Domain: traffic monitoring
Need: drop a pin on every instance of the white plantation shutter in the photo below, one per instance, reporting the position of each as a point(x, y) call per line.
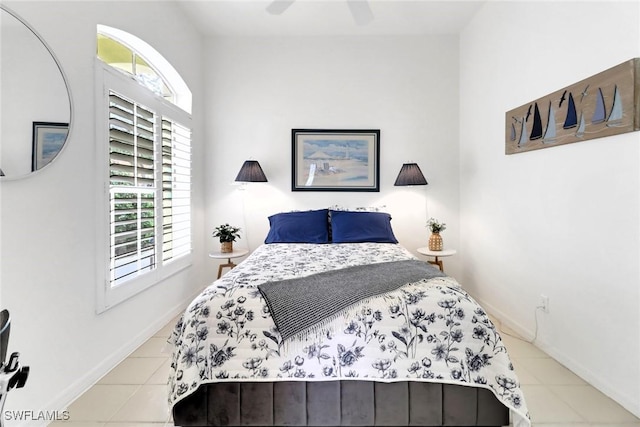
point(176, 190)
point(132, 234)
point(132, 196)
point(149, 189)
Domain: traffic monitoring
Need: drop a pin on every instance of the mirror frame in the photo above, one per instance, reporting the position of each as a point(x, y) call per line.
point(66, 84)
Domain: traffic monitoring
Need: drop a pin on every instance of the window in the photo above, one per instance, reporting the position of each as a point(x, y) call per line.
point(123, 58)
point(134, 57)
point(147, 170)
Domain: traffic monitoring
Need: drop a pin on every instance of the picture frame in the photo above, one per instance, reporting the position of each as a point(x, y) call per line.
point(335, 160)
point(48, 140)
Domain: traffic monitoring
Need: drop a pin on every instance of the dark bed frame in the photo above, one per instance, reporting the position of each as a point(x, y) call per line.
point(339, 403)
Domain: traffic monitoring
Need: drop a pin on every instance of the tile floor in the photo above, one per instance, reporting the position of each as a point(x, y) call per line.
point(134, 392)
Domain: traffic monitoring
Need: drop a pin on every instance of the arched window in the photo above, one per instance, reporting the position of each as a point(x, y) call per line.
point(134, 56)
point(144, 126)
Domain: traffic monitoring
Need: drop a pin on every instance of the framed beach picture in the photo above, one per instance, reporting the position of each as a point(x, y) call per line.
point(335, 160)
point(48, 139)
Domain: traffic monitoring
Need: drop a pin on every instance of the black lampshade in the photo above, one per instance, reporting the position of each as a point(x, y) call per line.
point(410, 174)
point(251, 172)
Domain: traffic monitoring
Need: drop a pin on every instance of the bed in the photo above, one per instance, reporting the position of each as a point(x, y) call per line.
point(418, 353)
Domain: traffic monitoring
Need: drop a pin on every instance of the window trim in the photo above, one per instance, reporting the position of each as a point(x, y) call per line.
point(107, 78)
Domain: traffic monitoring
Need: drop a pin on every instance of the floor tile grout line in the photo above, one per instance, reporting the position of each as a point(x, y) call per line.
point(537, 377)
point(162, 365)
point(144, 382)
point(126, 401)
point(577, 410)
point(139, 388)
point(584, 420)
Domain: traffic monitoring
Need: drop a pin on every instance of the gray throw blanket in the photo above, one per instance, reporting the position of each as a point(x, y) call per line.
point(297, 305)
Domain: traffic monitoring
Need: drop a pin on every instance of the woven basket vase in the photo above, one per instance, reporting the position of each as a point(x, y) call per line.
point(435, 242)
point(226, 247)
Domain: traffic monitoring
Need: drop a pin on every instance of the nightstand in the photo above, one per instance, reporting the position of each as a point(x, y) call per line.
point(237, 253)
point(436, 254)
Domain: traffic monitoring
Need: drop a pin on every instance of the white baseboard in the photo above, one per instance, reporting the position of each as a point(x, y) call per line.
point(630, 403)
point(77, 388)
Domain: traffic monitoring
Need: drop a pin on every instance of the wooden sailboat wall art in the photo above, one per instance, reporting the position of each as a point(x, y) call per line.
point(605, 104)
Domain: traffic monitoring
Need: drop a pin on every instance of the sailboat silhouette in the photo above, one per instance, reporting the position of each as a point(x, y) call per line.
point(550, 131)
point(599, 113)
point(536, 130)
point(571, 120)
point(581, 126)
point(523, 133)
point(615, 117)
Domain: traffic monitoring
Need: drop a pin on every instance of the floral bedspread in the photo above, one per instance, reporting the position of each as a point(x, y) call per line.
point(430, 330)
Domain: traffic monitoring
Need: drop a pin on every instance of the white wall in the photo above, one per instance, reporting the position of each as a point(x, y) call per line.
point(561, 221)
point(48, 264)
point(260, 88)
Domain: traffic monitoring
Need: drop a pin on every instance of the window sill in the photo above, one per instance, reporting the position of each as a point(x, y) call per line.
point(112, 296)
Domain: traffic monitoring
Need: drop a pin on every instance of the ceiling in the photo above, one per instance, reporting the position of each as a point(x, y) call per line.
point(329, 17)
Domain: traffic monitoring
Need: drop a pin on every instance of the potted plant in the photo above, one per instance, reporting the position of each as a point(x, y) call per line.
point(227, 234)
point(435, 240)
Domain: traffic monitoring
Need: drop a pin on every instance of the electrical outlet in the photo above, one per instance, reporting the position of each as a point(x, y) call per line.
point(544, 303)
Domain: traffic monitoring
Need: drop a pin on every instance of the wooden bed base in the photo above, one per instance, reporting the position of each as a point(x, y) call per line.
point(340, 403)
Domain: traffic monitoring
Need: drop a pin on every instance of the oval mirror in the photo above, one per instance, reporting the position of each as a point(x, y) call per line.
point(35, 101)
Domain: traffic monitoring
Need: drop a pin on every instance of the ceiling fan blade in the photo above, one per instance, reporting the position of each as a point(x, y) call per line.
point(277, 7)
point(361, 11)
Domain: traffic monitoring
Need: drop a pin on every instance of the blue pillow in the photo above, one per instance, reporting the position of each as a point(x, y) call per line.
point(299, 227)
point(358, 227)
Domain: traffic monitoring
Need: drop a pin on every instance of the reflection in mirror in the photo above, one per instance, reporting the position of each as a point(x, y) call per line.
point(36, 106)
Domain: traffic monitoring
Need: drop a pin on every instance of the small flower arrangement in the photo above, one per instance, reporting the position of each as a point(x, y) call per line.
point(227, 233)
point(435, 226)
